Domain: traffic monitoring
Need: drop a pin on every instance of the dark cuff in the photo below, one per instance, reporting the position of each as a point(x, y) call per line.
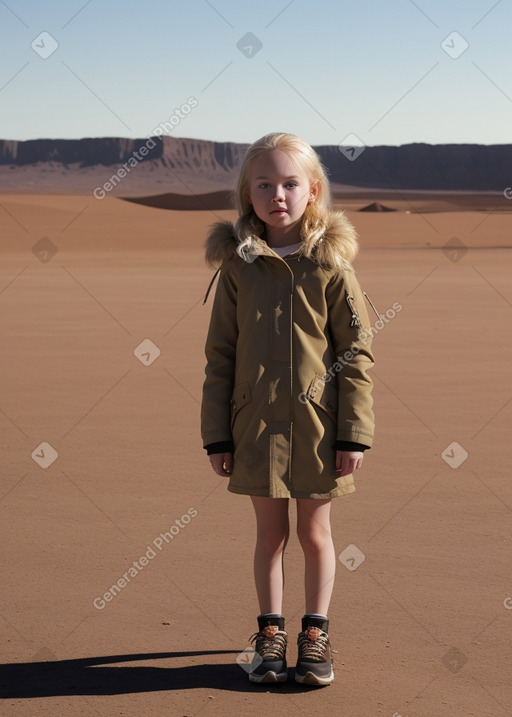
point(351, 446)
point(220, 447)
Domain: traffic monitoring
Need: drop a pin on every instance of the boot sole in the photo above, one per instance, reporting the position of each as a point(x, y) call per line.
point(311, 679)
point(268, 677)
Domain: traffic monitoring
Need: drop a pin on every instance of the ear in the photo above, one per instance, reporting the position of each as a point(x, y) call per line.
point(314, 191)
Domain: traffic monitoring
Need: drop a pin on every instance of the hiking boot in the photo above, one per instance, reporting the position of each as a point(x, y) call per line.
point(314, 663)
point(270, 646)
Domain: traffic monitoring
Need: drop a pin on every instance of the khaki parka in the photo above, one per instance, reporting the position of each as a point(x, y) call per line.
point(288, 350)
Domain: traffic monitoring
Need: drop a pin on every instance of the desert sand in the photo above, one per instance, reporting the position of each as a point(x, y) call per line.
point(103, 328)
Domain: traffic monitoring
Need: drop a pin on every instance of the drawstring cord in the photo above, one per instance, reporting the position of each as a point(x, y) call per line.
point(371, 304)
point(210, 286)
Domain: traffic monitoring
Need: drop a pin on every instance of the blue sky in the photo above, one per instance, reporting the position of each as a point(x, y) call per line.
point(382, 71)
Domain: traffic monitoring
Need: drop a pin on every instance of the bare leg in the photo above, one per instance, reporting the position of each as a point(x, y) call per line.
point(314, 532)
point(273, 529)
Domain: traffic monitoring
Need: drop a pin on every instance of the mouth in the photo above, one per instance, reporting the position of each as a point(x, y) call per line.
point(279, 211)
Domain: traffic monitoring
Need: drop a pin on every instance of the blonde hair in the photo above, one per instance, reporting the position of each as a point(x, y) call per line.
point(317, 213)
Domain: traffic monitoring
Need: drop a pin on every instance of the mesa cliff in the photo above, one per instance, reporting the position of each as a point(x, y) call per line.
point(190, 165)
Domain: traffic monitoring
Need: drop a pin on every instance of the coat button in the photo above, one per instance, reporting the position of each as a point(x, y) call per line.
point(330, 405)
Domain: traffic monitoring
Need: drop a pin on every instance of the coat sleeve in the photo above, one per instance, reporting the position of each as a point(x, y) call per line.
point(220, 352)
point(349, 328)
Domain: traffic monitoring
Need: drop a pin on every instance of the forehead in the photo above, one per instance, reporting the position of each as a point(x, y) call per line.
point(275, 163)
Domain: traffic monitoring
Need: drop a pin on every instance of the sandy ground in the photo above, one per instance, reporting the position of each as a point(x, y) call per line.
point(422, 625)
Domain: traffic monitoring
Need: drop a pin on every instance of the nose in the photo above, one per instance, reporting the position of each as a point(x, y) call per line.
point(279, 195)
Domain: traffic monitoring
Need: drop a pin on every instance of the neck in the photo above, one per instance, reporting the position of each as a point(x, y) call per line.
point(282, 237)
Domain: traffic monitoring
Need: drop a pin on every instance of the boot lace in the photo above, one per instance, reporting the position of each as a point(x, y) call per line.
point(270, 643)
point(313, 644)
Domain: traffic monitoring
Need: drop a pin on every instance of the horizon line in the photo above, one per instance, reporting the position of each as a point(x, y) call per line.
point(216, 141)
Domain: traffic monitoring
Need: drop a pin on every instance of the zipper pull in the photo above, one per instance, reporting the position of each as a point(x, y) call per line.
point(356, 321)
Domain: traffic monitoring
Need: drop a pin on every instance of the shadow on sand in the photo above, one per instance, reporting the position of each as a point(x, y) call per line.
point(94, 676)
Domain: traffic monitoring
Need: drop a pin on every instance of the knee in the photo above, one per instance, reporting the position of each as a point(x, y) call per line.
point(314, 539)
point(272, 542)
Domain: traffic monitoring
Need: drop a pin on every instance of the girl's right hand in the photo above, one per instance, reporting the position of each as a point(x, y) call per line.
point(222, 463)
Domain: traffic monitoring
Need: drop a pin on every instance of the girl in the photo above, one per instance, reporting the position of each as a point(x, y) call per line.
point(286, 404)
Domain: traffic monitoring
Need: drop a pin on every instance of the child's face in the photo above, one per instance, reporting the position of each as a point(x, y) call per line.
point(275, 182)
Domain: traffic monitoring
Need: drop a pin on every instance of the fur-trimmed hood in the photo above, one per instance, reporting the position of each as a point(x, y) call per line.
point(336, 247)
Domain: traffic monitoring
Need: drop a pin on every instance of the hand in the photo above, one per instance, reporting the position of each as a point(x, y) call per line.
point(222, 463)
point(348, 461)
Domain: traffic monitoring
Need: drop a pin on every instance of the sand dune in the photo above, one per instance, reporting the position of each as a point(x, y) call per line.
point(187, 202)
point(377, 207)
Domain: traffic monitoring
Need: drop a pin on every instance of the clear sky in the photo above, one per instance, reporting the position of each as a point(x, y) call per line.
point(387, 72)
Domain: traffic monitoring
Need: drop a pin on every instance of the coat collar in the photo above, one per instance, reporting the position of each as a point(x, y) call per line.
point(334, 249)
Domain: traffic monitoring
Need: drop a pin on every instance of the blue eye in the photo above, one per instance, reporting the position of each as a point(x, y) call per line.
point(264, 185)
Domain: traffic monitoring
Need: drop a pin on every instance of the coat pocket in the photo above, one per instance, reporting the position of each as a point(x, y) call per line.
point(324, 394)
point(240, 397)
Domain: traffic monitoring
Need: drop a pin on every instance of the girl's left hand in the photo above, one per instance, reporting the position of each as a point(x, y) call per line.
point(348, 461)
